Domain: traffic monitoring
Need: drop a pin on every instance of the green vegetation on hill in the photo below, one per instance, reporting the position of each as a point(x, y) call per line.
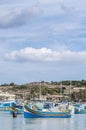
point(47, 88)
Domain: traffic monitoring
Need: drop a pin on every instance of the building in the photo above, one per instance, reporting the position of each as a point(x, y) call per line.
point(6, 96)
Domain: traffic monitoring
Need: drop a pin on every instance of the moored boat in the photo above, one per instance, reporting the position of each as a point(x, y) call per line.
point(34, 112)
point(5, 105)
point(19, 109)
point(80, 109)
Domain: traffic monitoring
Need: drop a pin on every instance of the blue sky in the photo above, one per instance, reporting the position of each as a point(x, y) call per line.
point(42, 40)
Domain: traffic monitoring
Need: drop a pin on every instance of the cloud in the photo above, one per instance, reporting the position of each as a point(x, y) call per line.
point(46, 55)
point(42, 54)
point(17, 17)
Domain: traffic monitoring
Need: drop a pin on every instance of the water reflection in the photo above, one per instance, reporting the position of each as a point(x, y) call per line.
point(77, 122)
point(7, 122)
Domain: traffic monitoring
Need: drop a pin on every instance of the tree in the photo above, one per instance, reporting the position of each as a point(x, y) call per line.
point(12, 84)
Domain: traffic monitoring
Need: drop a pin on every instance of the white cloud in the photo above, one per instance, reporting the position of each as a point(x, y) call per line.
point(42, 54)
point(45, 54)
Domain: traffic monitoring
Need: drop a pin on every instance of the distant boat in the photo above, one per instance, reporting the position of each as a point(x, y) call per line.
point(5, 105)
point(34, 112)
point(80, 109)
point(19, 109)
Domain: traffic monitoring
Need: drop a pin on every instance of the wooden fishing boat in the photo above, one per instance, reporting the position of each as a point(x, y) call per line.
point(80, 109)
point(5, 105)
point(19, 109)
point(45, 113)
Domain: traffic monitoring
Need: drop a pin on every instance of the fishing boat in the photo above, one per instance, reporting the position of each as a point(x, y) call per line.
point(5, 105)
point(17, 108)
point(80, 109)
point(51, 112)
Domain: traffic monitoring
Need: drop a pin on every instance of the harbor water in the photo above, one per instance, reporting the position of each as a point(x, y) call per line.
point(7, 122)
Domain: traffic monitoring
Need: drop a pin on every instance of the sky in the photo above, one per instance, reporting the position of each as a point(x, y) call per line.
point(42, 40)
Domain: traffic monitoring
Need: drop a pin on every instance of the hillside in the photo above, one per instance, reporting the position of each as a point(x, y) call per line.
point(32, 90)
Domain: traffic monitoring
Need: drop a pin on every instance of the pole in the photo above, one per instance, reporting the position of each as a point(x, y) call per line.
point(40, 90)
point(70, 90)
point(61, 88)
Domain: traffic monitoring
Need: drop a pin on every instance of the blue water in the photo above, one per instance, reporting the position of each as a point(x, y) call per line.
point(7, 122)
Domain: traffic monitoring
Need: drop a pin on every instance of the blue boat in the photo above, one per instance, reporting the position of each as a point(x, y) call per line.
point(19, 109)
point(45, 113)
point(80, 109)
point(5, 105)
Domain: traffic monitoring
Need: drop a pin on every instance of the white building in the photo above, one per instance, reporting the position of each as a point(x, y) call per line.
point(6, 96)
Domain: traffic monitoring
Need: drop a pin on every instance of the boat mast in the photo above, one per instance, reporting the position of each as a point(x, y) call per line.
point(40, 91)
point(61, 88)
point(70, 90)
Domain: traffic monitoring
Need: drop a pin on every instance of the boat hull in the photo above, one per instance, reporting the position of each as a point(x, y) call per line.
point(18, 112)
point(80, 112)
point(29, 113)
